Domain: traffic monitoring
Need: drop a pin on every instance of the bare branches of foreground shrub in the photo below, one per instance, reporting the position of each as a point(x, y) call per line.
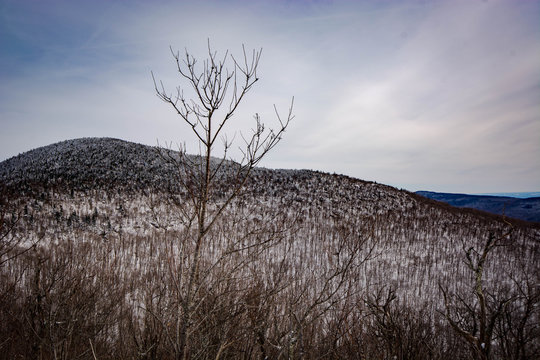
point(218, 88)
point(115, 296)
point(483, 320)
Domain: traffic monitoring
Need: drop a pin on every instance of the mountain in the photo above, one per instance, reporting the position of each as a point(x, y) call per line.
point(527, 209)
point(520, 195)
point(99, 236)
point(87, 163)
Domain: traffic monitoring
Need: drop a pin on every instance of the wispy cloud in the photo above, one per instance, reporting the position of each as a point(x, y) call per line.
point(438, 95)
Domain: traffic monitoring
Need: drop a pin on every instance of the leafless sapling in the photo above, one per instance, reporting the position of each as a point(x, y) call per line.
point(219, 87)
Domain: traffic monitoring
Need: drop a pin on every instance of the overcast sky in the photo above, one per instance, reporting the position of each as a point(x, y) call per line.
point(432, 95)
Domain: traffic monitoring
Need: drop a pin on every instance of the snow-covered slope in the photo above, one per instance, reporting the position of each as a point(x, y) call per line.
point(126, 200)
point(111, 164)
point(85, 163)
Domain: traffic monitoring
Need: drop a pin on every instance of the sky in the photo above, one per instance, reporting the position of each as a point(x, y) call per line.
point(420, 95)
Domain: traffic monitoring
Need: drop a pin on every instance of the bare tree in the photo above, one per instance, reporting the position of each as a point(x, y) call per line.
point(475, 320)
point(11, 243)
point(396, 331)
point(221, 83)
point(517, 329)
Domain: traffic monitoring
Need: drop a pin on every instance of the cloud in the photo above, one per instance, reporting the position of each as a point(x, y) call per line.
point(442, 95)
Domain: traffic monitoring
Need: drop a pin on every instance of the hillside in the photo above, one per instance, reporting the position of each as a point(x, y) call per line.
point(525, 209)
point(80, 164)
point(302, 263)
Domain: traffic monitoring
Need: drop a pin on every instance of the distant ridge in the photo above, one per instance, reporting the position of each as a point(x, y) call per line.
point(527, 209)
point(519, 195)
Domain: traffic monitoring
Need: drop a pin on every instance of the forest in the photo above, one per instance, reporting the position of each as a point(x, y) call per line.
point(116, 250)
point(302, 264)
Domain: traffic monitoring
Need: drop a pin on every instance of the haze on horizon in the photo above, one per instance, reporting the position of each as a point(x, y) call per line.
point(423, 95)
